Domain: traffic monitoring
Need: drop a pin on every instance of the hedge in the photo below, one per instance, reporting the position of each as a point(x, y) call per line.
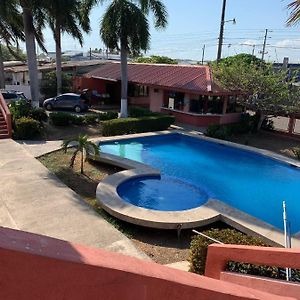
point(198, 252)
point(136, 125)
point(60, 118)
point(26, 128)
point(109, 115)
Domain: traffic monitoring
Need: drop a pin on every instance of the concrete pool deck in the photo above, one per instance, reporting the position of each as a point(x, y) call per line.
point(213, 210)
point(33, 199)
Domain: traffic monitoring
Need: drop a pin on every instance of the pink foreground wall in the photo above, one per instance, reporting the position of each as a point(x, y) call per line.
point(37, 267)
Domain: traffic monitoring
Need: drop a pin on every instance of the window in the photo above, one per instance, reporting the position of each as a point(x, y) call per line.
point(135, 90)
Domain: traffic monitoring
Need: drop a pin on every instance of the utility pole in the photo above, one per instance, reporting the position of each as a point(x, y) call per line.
point(203, 53)
point(253, 50)
point(221, 31)
point(264, 46)
point(90, 53)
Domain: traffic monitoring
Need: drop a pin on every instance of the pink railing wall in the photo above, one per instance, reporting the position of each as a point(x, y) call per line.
point(6, 114)
point(38, 267)
point(219, 255)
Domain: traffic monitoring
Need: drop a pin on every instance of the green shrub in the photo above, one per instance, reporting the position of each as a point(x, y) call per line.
point(267, 124)
point(198, 252)
point(137, 112)
point(38, 114)
point(60, 118)
point(77, 120)
point(19, 109)
point(136, 125)
point(109, 115)
point(26, 128)
point(91, 119)
point(296, 151)
point(222, 132)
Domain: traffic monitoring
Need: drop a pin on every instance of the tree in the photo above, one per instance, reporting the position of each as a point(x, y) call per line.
point(156, 59)
point(10, 31)
point(259, 87)
point(294, 17)
point(33, 22)
point(125, 27)
point(49, 84)
point(242, 58)
point(71, 17)
point(83, 146)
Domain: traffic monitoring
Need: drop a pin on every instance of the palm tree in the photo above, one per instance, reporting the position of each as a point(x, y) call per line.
point(294, 17)
point(10, 30)
point(83, 146)
point(67, 16)
point(33, 22)
point(125, 27)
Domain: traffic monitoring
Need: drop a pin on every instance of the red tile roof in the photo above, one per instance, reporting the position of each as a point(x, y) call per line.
point(196, 79)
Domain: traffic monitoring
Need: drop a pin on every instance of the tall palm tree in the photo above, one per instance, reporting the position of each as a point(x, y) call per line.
point(294, 17)
point(33, 22)
point(125, 27)
point(10, 30)
point(83, 146)
point(71, 17)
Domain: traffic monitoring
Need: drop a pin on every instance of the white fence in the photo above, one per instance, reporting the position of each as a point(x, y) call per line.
point(20, 88)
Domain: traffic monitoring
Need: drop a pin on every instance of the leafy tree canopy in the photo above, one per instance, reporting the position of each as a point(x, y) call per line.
point(259, 86)
point(12, 54)
point(242, 58)
point(155, 59)
point(49, 84)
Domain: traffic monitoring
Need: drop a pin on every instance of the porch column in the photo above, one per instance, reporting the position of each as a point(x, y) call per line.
point(186, 107)
point(225, 103)
point(292, 123)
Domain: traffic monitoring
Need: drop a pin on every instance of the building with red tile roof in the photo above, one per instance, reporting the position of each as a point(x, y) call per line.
point(186, 91)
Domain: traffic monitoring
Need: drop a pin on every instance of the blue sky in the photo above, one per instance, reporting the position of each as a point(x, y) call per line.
point(193, 23)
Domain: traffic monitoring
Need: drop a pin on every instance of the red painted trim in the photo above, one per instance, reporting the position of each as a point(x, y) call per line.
point(6, 114)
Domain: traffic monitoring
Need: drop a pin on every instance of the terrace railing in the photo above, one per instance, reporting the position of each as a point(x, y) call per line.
point(219, 255)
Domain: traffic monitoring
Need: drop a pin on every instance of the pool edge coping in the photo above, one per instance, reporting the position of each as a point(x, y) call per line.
point(213, 210)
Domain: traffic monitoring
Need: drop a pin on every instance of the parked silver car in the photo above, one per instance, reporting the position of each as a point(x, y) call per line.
point(67, 101)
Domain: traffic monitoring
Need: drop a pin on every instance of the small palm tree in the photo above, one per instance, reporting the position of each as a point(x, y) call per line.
point(84, 146)
point(125, 27)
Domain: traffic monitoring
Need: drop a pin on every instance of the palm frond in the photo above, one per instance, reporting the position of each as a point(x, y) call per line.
point(294, 17)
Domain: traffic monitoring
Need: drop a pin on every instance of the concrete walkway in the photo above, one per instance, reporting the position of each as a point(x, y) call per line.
point(33, 199)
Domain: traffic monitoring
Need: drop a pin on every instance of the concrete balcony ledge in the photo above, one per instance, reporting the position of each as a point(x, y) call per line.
point(38, 267)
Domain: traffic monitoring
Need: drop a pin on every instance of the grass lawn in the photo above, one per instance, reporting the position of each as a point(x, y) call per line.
point(162, 246)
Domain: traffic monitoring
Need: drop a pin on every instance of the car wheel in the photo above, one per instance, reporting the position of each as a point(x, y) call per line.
point(49, 106)
point(77, 109)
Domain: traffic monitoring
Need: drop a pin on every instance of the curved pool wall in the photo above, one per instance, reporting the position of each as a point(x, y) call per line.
point(248, 181)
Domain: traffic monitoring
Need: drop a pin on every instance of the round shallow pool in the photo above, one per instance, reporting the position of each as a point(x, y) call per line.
point(165, 193)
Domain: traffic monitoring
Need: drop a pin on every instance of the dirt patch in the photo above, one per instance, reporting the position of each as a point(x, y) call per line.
point(268, 141)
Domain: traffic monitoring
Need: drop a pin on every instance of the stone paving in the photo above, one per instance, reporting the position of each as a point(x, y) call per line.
point(33, 199)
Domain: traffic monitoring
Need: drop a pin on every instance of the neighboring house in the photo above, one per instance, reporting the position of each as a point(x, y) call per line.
point(17, 75)
point(187, 92)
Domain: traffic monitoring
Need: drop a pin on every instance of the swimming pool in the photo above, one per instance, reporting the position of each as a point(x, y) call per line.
point(194, 170)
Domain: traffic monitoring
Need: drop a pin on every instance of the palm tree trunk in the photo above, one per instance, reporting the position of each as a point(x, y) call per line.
point(81, 166)
point(58, 58)
point(2, 76)
point(31, 55)
point(124, 82)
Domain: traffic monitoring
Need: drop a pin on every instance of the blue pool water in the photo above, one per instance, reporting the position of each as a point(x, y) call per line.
point(194, 170)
